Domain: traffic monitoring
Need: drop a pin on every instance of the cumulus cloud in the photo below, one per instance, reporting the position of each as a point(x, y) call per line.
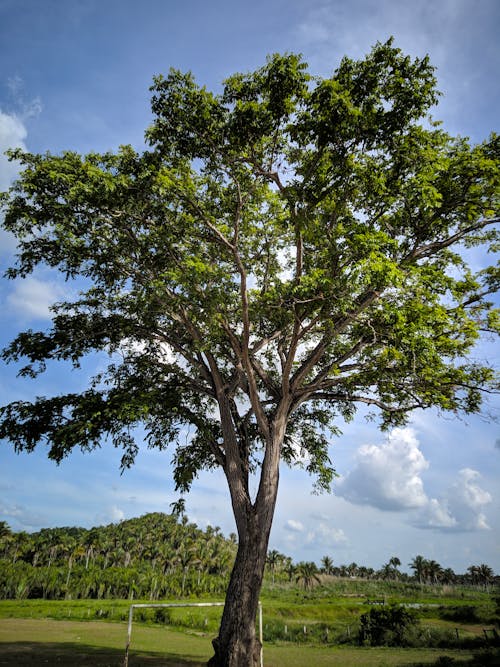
point(387, 476)
point(32, 298)
point(461, 507)
point(294, 526)
point(325, 535)
point(12, 135)
point(317, 536)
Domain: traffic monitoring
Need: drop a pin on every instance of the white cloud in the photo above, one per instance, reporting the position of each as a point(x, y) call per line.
point(12, 135)
point(163, 350)
point(387, 476)
point(436, 514)
point(294, 526)
point(317, 536)
point(113, 514)
point(27, 108)
point(32, 297)
point(21, 516)
point(461, 508)
point(325, 535)
point(416, 25)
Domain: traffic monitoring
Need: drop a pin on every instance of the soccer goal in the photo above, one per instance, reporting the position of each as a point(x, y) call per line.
point(183, 604)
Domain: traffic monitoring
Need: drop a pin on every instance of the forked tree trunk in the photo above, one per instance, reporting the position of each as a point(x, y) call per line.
point(237, 644)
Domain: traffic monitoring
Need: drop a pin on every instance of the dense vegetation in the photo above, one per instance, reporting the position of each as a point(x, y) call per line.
point(85, 575)
point(153, 557)
point(161, 556)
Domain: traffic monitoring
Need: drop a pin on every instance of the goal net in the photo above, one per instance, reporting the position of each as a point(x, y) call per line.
point(181, 604)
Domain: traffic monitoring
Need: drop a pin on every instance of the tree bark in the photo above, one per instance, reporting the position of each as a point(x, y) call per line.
point(237, 644)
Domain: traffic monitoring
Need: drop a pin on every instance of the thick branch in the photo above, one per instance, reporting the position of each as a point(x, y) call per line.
point(337, 328)
point(432, 248)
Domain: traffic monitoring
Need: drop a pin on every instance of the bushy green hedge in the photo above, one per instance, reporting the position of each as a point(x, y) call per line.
point(387, 626)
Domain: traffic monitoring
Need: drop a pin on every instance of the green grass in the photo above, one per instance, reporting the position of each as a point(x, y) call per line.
point(85, 633)
point(32, 642)
point(329, 621)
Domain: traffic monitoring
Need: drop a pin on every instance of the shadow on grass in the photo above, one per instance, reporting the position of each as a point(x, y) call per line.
point(489, 657)
point(34, 654)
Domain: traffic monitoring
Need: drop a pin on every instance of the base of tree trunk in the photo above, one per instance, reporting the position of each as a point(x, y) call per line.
point(235, 655)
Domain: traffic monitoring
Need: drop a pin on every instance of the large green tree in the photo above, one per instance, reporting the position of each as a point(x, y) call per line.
point(284, 251)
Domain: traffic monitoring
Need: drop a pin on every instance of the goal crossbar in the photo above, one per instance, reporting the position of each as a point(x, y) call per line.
point(182, 604)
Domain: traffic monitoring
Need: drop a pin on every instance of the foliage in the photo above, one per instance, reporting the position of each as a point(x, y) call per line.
point(387, 626)
point(154, 556)
point(282, 252)
point(285, 248)
point(157, 556)
point(462, 614)
point(307, 573)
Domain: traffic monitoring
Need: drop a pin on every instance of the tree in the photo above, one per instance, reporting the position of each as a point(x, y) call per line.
point(418, 565)
point(433, 571)
point(327, 565)
point(308, 574)
point(274, 560)
point(390, 570)
point(6, 537)
point(481, 574)
point(282, 253)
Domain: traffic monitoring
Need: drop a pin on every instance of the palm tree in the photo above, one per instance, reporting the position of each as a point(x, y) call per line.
point(352, 570)
point(448, 576)
point(481, 574)
point(387, 572)
point(6, 535)
point(433, 571)
point(394, 563)
point(327, 565)
point(273, 560)
point(418, 565)
point(307, 572)
point(289, 568)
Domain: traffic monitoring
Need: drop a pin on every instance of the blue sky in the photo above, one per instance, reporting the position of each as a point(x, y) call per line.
point(75, 74)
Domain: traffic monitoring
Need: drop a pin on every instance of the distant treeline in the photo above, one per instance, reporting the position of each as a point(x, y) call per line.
point(163, 556)
point(155, 556)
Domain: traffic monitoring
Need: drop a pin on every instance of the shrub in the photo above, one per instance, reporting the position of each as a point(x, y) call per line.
point(462, 614)
point(387, 626)
point(162, 615)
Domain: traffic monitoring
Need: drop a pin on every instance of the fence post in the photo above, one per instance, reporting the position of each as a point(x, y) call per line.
point(129, 634)
point(261, 637)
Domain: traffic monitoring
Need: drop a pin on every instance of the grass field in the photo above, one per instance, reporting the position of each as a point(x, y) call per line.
point(93, 633)
point(33, 642)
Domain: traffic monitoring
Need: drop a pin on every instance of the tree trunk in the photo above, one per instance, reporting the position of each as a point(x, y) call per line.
point(237, 644)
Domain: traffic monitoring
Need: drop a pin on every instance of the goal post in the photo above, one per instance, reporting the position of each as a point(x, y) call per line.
point(183, 604)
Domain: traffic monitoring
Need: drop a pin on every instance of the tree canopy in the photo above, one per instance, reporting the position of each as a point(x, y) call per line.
point(283, 252)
